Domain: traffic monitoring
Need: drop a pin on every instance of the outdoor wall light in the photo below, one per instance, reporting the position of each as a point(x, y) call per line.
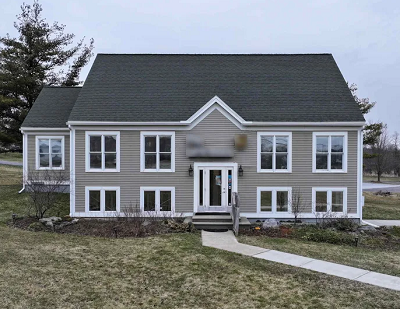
point(190, 170)
point(240, 171)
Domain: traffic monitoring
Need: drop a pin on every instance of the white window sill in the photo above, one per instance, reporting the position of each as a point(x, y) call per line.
point(50, 169)
point(330, 172)
point(274, 171)
point(102, 171)
point(158, 171)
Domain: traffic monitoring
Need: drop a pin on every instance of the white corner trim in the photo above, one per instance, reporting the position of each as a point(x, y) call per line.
point(72, 172)
point(143, 134)
point(360, 149)
point(289, 159)
point(87, 151)
point(274, 193)
point(103, 190)
point(24, 160)
point(157, 199)
point(329, 198)
point(37, 155)
point(314, 152)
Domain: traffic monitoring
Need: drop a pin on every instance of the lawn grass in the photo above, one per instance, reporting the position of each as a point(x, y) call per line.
point(381, 207)
point(13, 202)
point(170, 271)
point(43, 270)
point(384, 179)
point(384, 261)
point(11, 156)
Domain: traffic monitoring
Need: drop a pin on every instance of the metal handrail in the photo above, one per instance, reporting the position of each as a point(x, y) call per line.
point(235, 212)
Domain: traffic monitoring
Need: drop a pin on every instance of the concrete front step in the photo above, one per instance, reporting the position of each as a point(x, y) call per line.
point(211, 218)
point(204, 224)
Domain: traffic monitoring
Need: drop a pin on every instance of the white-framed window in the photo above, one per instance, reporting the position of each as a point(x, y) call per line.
point(102, 151)
point(274, 199)
point(274, 152)
point(157, 151)
point(50, 153)
point(333, 200)
point(329, 152)
point(102, 199)
point(157, 199)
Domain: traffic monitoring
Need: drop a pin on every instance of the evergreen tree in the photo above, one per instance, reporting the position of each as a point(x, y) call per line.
point(42, 54)
point(372, 131)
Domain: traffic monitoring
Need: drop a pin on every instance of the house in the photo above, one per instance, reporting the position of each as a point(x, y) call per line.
point(177, 134)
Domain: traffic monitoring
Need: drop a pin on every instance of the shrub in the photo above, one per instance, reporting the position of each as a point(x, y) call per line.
point(342, 224)
point(36, 227)
point(316, 234)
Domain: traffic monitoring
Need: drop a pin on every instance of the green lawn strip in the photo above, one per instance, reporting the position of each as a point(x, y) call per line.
point(11, 156)
point(381, 207)
point(384, 261)
point(13, 202)
point(383, 179)
point(169, 271)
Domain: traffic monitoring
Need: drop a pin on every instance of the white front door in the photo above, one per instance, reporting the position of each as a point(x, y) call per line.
point(213, 187)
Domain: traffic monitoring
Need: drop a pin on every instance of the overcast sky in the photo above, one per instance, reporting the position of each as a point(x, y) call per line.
point(363, 36)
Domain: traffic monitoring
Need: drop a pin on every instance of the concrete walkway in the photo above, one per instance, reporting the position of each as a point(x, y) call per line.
point(383, 222)
point(227, 241)
point(4, 162)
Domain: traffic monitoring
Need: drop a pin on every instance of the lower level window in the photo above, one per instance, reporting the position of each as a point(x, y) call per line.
point(157, 199)
point(273, 199)
point(102, 199)
point(330, 200)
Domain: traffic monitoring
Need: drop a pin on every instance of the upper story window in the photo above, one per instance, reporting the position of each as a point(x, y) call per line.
point(274, 152)
point(157, 151)
point(102, 151)
point(50, 152)
point(329, 152)
point(326, 200)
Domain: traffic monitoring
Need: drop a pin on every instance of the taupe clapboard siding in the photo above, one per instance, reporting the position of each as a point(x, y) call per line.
point(32, 150)
point(217, 131)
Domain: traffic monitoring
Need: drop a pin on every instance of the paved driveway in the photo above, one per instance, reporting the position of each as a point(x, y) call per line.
point(384, 222)
point(3, 162)
point(375, 187)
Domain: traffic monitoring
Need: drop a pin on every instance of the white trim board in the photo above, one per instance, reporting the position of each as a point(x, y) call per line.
point(25, 129)
point(72, 172)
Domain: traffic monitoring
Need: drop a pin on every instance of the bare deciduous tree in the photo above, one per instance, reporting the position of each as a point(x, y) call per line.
point(380, 150)
point(44, 188)
point(298, 205)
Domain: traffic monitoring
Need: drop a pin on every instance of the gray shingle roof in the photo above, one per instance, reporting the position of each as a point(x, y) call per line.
point(147, 87)
point(52, 107)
